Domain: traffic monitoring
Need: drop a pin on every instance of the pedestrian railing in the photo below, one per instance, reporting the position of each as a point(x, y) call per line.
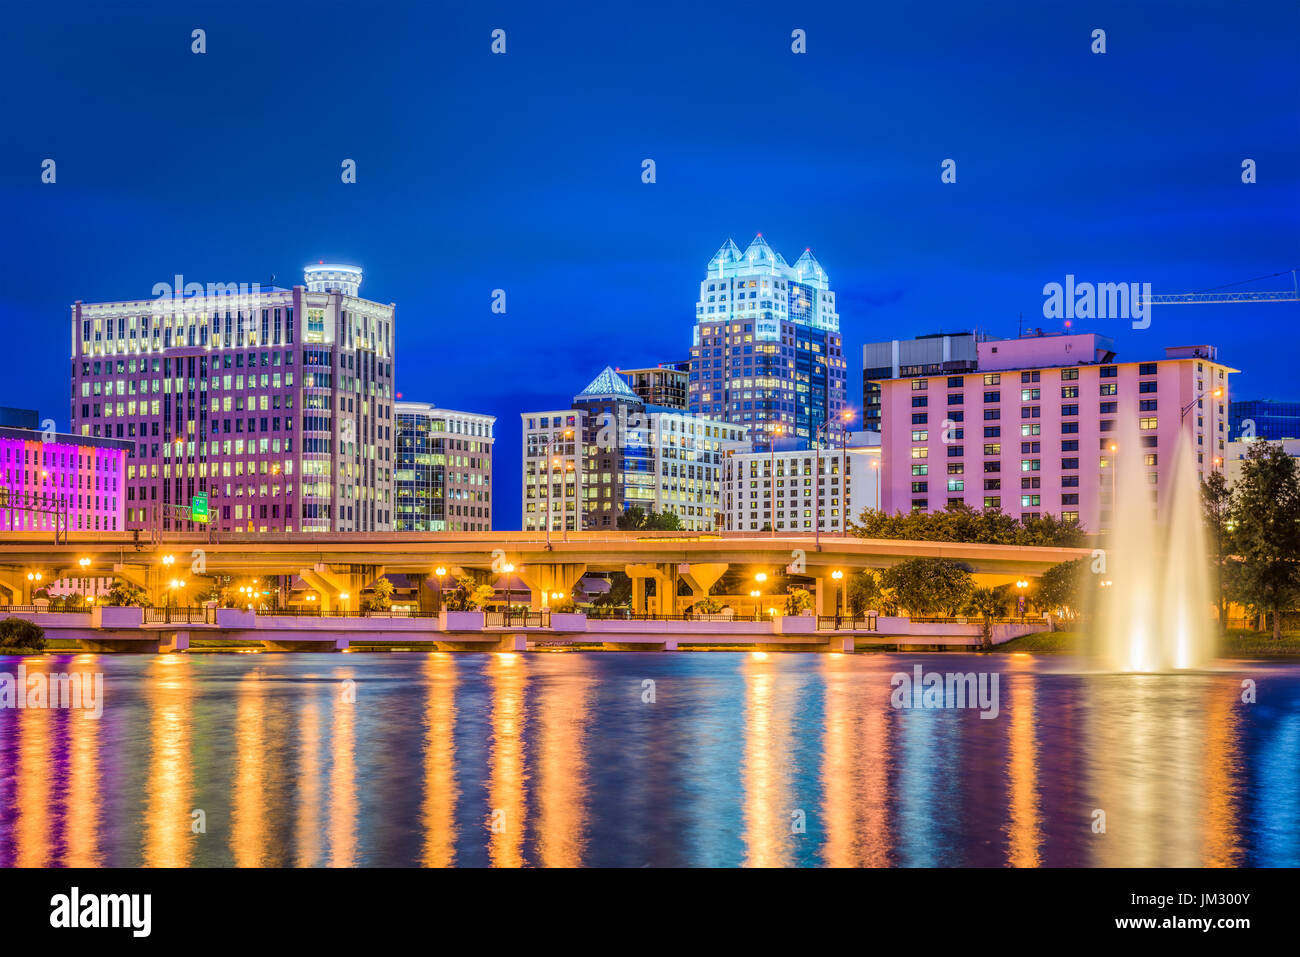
point(517, 618)
point(625, 614)
point(42, 610)
point(180, 616)
point(846, 622)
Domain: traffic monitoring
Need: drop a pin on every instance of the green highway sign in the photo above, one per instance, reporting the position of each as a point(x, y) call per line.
point(199, 507)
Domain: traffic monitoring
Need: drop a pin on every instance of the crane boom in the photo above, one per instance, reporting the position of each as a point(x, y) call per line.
point(1286, 295)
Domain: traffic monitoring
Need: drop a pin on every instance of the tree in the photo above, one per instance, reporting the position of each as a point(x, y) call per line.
point(639, 519)
point(124, 593)
point(18, 633)
point(1265, 514)
point(926, 586)
point(1062, 587)
point(468, 595)
point(986, 604)
point(961, 523)
point(381, 595)
point(864, 593)
point(798, 601)
point(1216, 506)
point(620, 592)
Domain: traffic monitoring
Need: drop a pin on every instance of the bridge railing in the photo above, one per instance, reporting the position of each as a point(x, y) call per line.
point(42, 610)
point(517, 618)
point(180, 616)
point(626, 614)
point(846, 623)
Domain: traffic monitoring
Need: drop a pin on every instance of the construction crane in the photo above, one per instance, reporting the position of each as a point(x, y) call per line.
point(1218, 294)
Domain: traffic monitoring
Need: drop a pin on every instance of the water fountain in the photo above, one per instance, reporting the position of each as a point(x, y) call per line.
point(1153, 603)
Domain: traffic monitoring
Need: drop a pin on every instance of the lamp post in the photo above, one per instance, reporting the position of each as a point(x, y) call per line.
point(755, 594)
point(838, 576)
point(509, 569)
point(439, 572)
point(1021, 585)
point(1188, 407)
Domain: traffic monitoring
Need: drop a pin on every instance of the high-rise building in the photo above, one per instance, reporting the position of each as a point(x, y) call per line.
point(1264, 419)
point(664, 385)
point(934, 354)
point(1036, 428)
point(275, 403)
point(767, 353)
point(585, 465)
point(443, 476)
point(53, 481)
point(850, 472)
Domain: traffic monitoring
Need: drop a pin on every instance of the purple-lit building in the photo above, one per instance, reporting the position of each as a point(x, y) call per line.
point(51, 481)
point(1035, 428)
point(276, 403)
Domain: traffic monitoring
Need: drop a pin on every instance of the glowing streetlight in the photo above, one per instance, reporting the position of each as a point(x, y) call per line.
point(509, 569)
point(838, 577)
point(756, 594)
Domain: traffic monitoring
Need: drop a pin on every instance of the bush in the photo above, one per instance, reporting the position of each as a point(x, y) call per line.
point(20, 633)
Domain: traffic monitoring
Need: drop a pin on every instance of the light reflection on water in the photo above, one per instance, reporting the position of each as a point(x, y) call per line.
point(558, 760)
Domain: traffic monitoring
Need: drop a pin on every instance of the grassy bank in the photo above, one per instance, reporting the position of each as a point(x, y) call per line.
point(1236, 644)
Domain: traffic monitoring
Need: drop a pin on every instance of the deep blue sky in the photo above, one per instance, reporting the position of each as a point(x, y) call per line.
point(523, 172)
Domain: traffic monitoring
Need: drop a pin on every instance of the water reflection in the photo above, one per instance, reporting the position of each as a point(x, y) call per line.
point(561, 760)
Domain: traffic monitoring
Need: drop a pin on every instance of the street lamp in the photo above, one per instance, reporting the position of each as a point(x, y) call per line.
point(85, 565)
point(1188, 407)
point(509, 570)
point(838, 576)
point(756, 594)
point(440, 571)
point(1021, 585)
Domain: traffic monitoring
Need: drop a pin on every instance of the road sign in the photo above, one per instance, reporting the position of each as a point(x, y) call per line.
point(199, 507)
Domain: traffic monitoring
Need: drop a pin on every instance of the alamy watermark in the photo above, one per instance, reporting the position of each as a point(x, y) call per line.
point(933, 690)
point(1103, 300)
point(78, 691)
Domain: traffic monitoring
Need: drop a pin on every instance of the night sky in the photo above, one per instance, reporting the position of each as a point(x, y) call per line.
point(523, 172)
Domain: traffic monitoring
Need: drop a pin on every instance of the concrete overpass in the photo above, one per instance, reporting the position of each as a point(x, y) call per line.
point(339, 566)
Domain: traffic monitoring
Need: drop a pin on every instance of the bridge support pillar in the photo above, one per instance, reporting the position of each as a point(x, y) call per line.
point(542, 579)
point(665, 579)
point(700, 577)
point(339, 586)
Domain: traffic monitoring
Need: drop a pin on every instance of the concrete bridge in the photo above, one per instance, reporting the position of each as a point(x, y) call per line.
point(131, 629)
point(339, 566)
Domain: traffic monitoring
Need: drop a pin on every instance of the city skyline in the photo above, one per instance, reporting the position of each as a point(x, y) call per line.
point(598, 267)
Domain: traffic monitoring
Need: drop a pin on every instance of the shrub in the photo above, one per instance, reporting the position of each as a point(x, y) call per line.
point(20, 633)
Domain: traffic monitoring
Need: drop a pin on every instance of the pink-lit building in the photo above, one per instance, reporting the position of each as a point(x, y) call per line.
point(51, 481)
point(1034, 430)
point(277, 404)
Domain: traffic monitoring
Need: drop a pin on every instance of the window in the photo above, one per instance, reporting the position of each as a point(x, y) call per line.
point(993, 448)
point(920, 418)
point(956, 468)
point(1069, 392)
point(992, 466)
point(920, 453)
point(992, 414)
point(993, 379)
point(1034, 429)
point(1109, 372)
point(992, 501)
point(920, 470)
point(1029, 395)
point(919, 385)
point(1069, 374)
point(1148, 386)
point(920, 486)
point(920, 401)
point(1071, 498)
point(1067, 464)
point(956, 451)
point(1029, 377)
point(1030, 465)
point(1069, 427)
point(1147, 368)
point(992, 396)
point(1106, 388)
point(1147, 422)
point(1029, 500)
point(1108, 425)
point(992, 485)
point(956, 485)
point(954, 382)
point(1147, 405)
point(992, 431)
point(956, 398)
point(1069, 481)
point(1070, 445)
point(1069, 410)
point(920, 435)
point(1108, 408)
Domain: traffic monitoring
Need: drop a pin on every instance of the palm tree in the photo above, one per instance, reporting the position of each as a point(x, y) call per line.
point(987, 604)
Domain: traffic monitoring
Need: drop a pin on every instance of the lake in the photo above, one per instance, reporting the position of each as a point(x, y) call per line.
point(648, 759)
